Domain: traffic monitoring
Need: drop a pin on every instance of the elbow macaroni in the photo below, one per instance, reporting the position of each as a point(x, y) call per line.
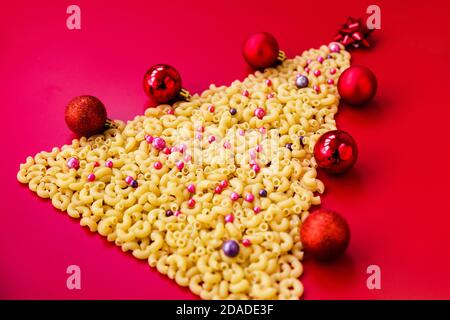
point(187, 247)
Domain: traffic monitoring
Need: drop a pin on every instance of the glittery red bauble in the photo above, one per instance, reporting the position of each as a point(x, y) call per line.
point(357, 85)
point(325, 235)
point(85, 115)
point(335, 151)
point(261, 50)
point(162, 83)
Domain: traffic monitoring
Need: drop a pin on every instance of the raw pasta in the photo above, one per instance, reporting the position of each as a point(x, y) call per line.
point(187, 246)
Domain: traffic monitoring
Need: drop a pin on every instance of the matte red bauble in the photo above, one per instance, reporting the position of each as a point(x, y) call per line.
point(261, 50)
point(357, 85)
point(325, 235)
point(335, 151)
point(85, 115)
point(162, 83)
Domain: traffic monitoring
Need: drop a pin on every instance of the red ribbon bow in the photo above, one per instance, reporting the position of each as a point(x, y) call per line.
point(354, 32)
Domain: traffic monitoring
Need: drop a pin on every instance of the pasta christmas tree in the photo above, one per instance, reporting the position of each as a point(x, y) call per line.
point(212, 192)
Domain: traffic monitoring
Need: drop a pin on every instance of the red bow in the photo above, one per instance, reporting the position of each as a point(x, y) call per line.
point(354, 32)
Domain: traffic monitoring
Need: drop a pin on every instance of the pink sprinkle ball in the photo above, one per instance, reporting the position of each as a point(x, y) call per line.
point(191, 188)
point(180, 165)
point(270, 96)
point(317, 73)
point(218, 189)
point(262, 130)
point(157, 165)
point(109, 164)
point(258, 148)
point(159, 143)
point(316, 88)
point(170, 111)
point(256, 168)
point(320, 59)
point(332, 71)
point(187, 158)
point(91, 177)
point(128, 179)
point(246, 242)
point(227, 145)
point(211, 139)
point(245, 93)
point(257, 209)
point(252, 162)
point(176, 213)
point(182, 148)
point(148, 138)
point(260, 113)
point(73, 163)
point(249, 197)
point(211, 109)
point(268, 82)
point(308, 61)
point(224, 183)
point(229, 218)
point(200, 129)
point(330, 81)
point(174, 149)
point(234, 196)
point(241, 132)
point(191, 203)
point(96, 164)
point(252, 154)
point(334, 47)
point(307, 70)
point(198, 136)
point(167, 150)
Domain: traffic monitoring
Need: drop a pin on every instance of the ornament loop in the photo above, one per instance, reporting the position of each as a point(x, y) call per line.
point(185, 95)
point(281, 56)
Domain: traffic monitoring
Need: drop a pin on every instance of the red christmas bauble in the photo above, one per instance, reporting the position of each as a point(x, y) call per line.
point(335, 151)
point(325, 235)
point(357, 85)
point(85, 115)
point(261, 50)
point(162, 83)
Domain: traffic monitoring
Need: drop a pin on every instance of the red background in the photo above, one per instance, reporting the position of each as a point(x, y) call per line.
point(396, 198)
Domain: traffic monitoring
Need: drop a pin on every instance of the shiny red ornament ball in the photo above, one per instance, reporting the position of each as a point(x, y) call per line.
point(325, 235)
point(335, 151)
point(85, 115)
point(162, 83)
point(357, 85)
point(261, 50)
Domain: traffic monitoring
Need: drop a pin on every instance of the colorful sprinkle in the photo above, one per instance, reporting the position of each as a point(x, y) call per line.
point(211, 139)
point(134, 184)
point(262, 193)
point(187, 158)
point(211, 109)
point(180, 165)
point(332, 71)
point(249, 197)
point(227, 145)
point(170, 111)
point(259, 148)
point(230, 248)
point(191, 188)
point(256, 168)
point(307, 70)
point(330, 81)
point(229, 218)
point(316, 88)
point(159, 143)
point(157, 165)
point(245, 93)
point(148, 138)
point(233, 111)
point(167, 150)
point(270, 96)
point(317, 73)
point(191, 203)
point(174, 149)
point(224, 183)
point(257, 209)
point(268, 82)
point(91, 177)
point(73, 163)
point(129, 179)
point(218, 189)
point(109, 164)
point(177, 213)
point(262, 130)
point(96, 164)
point(320, 59)
point(200, 129)
point(198, 136)
point(260, 113)
point(241, 132)
point(246, 242)
point(234, 196)
point(182, 148)
point(169, 213)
